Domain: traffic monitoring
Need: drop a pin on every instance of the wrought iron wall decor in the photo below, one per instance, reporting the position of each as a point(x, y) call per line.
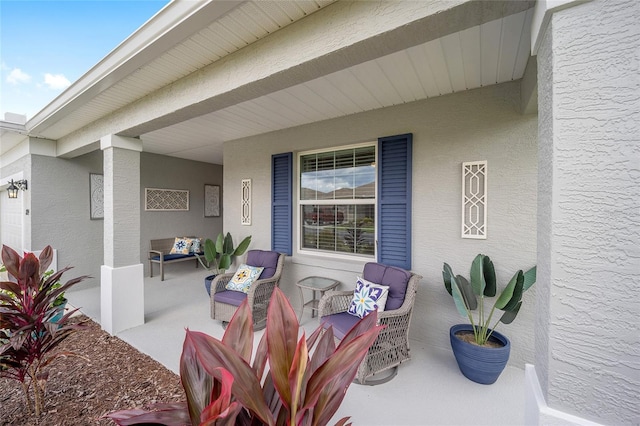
point(211, 200)
point(166, 200)
point(96, 196)
point(474, 200)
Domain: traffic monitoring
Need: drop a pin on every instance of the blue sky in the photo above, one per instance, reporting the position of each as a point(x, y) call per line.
point(47, 45)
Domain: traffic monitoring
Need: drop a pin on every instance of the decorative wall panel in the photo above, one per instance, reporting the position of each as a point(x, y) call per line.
point(246, 202)
point(156, 199)
point(96, 200)
point(474, 200)
point(211, 200)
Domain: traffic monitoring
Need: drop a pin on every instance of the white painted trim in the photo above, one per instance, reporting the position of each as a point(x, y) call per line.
point(542, 15)
point(536, 410)
point(171, 25)
point(115, 141)
point(44, 147)
point(121, 297)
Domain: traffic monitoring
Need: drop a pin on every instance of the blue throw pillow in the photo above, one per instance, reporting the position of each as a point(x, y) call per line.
point(367, 298)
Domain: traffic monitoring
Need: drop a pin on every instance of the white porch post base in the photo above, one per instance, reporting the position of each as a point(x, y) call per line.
point(536, 410)
point(121, 297)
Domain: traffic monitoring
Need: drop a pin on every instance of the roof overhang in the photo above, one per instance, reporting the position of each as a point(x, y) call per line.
point(459, 45)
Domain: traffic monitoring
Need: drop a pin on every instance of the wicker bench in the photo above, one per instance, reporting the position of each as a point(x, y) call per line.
point(160, 253)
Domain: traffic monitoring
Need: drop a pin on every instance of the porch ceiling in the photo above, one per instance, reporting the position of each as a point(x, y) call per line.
point(491, 53)
point(487, 53)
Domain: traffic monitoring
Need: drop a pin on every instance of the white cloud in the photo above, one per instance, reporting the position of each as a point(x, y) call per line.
point(57, 81)
point(17, 76)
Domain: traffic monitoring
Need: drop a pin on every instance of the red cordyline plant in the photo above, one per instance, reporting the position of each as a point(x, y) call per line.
point(29, 333)
point(302, 387)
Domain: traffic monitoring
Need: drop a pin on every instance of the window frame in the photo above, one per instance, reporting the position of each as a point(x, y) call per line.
point(299, 219)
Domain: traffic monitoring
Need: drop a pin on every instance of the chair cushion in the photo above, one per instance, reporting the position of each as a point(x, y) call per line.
point(244, 277)
point(172, 256)
point(396, 278)
point(367, 298)
point(342, 323)
point(265, 258)
point(230, 297)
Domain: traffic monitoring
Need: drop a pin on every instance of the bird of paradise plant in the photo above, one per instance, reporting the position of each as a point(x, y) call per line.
point(483, 284)
point(305, 383)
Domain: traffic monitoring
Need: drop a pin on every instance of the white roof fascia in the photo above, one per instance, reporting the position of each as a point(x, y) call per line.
point(542, 15)
point(172, 24)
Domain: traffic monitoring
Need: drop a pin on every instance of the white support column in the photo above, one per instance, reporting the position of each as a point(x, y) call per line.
point(587, 343)
point(122, 275)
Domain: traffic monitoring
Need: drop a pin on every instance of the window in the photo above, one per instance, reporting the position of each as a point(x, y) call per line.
point(350, 218)
point(337, 200)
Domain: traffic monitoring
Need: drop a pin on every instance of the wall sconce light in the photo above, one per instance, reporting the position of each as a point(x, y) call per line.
point(14, 187)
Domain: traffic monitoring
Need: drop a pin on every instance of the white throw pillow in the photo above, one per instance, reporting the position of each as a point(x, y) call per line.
point(244, 277)
point(368, 297)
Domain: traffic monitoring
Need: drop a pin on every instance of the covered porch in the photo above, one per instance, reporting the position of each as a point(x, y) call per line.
point(184, 103)
point(428, 390)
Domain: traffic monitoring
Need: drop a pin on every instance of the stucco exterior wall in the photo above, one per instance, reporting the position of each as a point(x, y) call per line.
point(60, 213)
point(589, 224)
point(159, 171)
point(545, 207)
point(482, 124)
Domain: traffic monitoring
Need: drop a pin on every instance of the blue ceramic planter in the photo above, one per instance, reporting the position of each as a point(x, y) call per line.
point(57, 317)
point(477, 363)
point(207, 283)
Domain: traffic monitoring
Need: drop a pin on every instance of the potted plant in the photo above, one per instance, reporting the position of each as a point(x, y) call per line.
point(60, 302)
point(481, 352)
point(219, 255)
point(28, 337)
point(226, 383)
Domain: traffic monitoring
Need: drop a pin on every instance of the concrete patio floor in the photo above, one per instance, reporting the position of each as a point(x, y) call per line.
point(428, 390)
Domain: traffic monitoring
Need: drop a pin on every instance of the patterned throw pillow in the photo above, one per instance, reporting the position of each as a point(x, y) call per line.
point(196, 245)
point(368, 297)
point(180, 246)
point(244, 277)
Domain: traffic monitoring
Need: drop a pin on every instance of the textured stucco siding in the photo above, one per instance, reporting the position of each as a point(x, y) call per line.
point(60, 213)
point(121, 207)
point(590, 255)
point(482, 124)
point(159, 171)
point(545, 208)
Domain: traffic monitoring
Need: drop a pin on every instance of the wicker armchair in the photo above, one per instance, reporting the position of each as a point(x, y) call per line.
point(391, 348)
point(225, 302)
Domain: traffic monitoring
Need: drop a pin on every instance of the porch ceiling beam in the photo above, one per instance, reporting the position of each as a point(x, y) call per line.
point(170, 26)
point(339, 36)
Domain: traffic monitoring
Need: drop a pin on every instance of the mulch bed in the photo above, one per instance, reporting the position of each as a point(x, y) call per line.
point(79, 392)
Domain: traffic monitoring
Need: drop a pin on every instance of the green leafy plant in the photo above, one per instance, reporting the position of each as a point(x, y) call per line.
point(60, 300)
point(218, 255)
point(305, 384)
point(30, 330)
point(483, 284)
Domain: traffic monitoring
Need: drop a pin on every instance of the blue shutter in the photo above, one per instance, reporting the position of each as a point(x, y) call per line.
point(394, 200)
point(281, 202)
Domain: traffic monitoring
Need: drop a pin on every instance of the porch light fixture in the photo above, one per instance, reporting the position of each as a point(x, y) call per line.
point(14, 187)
